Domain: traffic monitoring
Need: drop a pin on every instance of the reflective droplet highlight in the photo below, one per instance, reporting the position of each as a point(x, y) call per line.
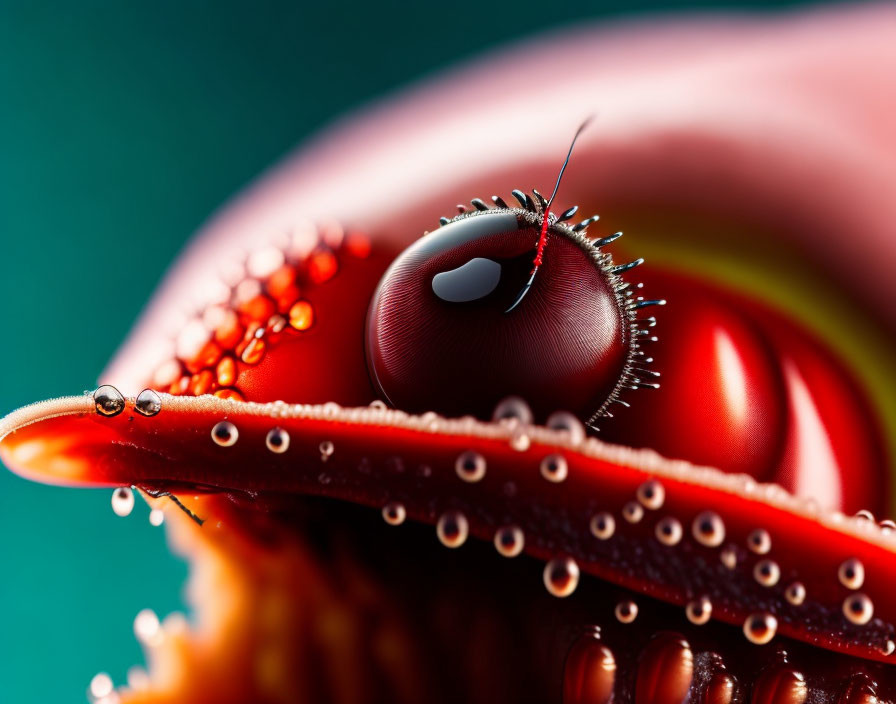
point(225, 434)
point(123, 501)
point(858, 609)
point(277, 440)
point(561, 576)
point(626, 611)
point(509, 541)
point(148, 403)
point(108, 401)
point(759, 541)
point(708, 529)
point(452, 529)
point(760, 627)
point(651, 494)
point(767, 573)
point(513, 408)
point(851, 574)
point(394, 513)
point(470, 466)
point(554, 468)
point(699, 611)
point(668, 531)
point(603, 525)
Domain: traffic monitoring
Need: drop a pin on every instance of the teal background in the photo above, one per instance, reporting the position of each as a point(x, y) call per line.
point(122, 126)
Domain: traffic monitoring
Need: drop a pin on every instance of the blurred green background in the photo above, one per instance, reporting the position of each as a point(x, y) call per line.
point(122, 126)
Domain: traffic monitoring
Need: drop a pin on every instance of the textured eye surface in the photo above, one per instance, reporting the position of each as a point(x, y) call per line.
point(440, 337)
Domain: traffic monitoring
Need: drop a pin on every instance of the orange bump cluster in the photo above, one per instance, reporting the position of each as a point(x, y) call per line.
point(267, 304)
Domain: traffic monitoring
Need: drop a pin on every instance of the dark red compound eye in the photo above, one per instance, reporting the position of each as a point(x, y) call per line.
point(441, 337)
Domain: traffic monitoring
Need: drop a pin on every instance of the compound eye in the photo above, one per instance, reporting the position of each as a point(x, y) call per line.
point(440, 337)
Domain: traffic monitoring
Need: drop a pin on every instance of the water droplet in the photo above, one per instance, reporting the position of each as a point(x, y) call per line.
point(760, 627)
point(566, 422)
point(327, 449)
point(254, 351)
point(759, 541)
point(123, 501)
point(668, 531)
point(513, 408)
point(108, 400)
point(148, 403)
point(519, 441)
point(708, 529)
point(728, 557)
point(146, 626)
point(277, 440)
point(561, 576)
point(156, 517)
point(858, 608)
point(699, 610)
point(225, 433)
point(603, 525)
point(452, 529)
point(795, 593)
point(865, 515)
point(509, 541)
point(633, 512)
point(554, 468)
point(767, 573)
point(888, 526)
point(651, 494)
point(101, 685)
point(377, 405)
point(626, 611)
point(394, 513)
point(470, 466)
point(851, 574)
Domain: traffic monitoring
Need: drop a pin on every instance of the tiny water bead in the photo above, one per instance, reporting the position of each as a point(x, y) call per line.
point(728, 557)
point(123, 501)
point(651, 494)
point(554, 468)
point(277, 440)
point(759, 541)
point(156, 517)
point(708, 529)
point(470, 466)
point(108, 401)
point(668, 531)
point(567, 423)
point(760, 627)
point(146, 626)
point(520, 441)
point(603, 525)
point(633, 512)
point(225, 434)
point(513, 408)
point(327, 448)
point(858, 608)
point(626, 611)
point(509, 541)
point(101, 685)
point(767, 573)
point(561, 576)
point(148, 403)
point(699, 611)
point(394, 513)
point(851, 574)
point(795, 593)
point(452, 529)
